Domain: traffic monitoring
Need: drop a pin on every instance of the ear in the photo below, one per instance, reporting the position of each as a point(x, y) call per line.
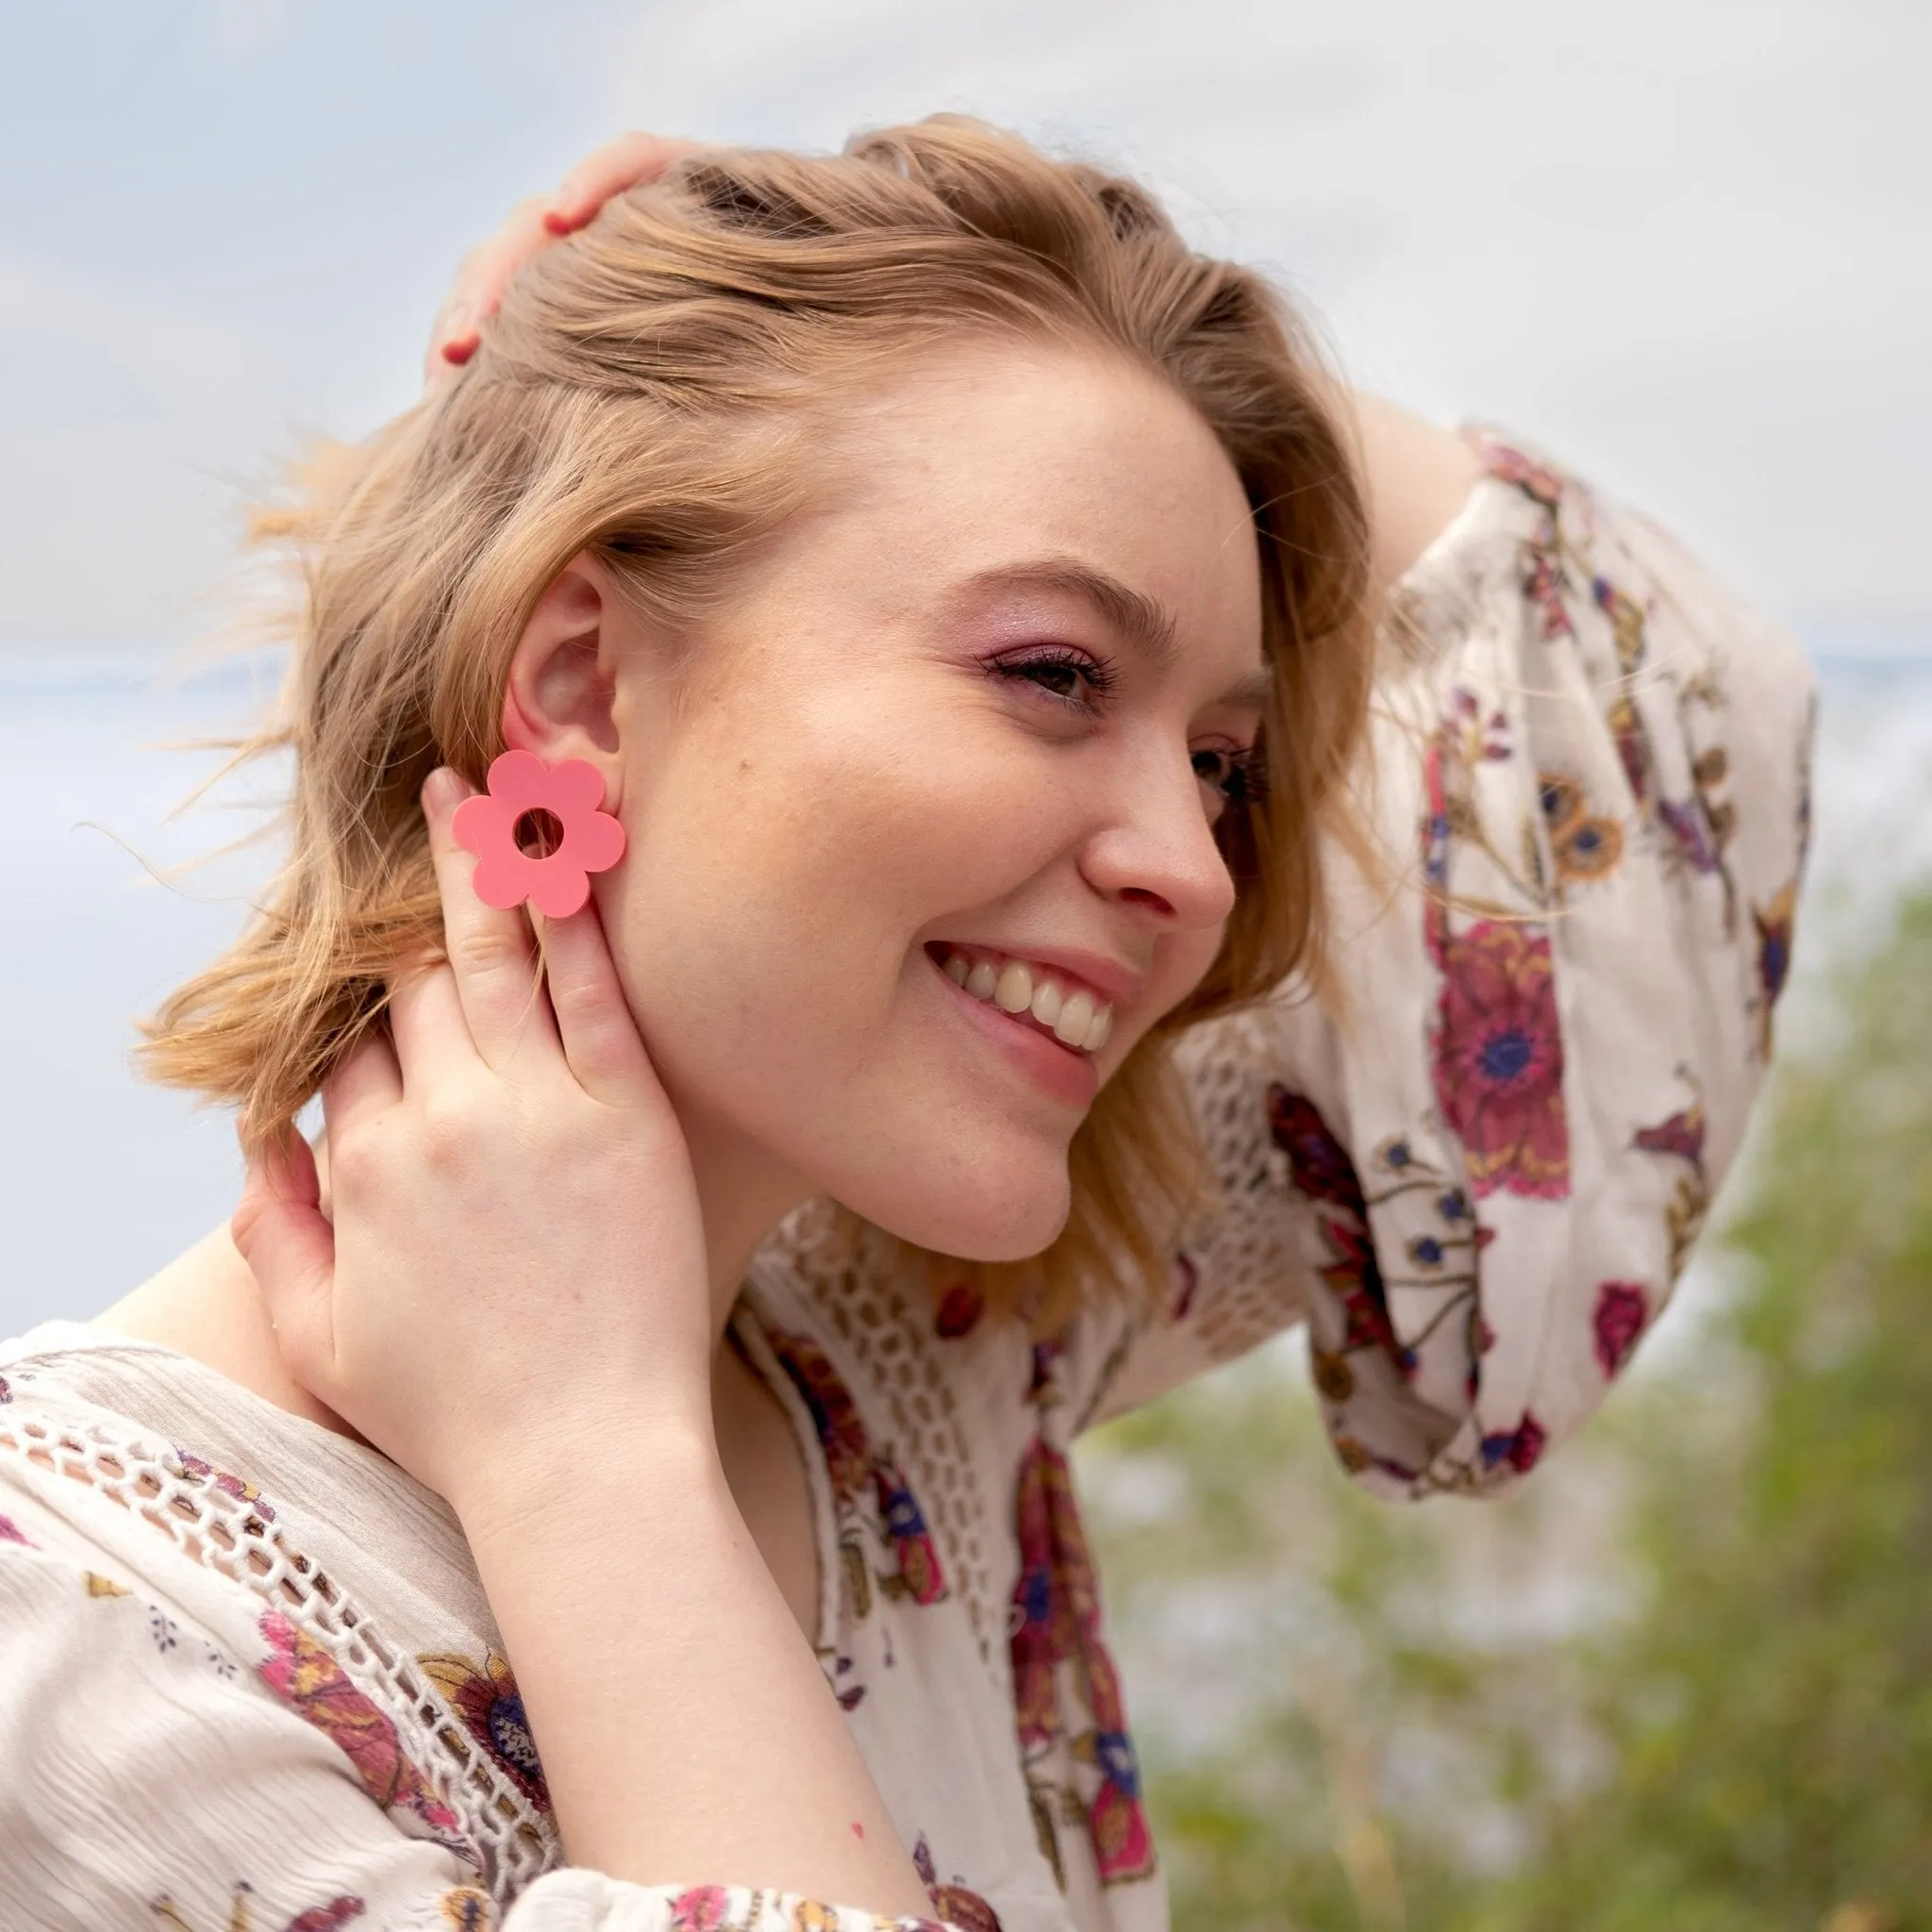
point(560, 699)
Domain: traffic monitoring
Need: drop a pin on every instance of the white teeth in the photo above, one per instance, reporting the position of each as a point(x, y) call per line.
point(1076, 1017)
point(1075, 1020)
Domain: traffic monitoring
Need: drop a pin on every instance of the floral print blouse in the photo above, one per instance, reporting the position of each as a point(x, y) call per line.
point(249, 1682)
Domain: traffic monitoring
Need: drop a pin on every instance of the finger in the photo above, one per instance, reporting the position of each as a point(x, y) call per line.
point(490, 951)
point(426, 1021)
point(368, 1083)
point(290, 1250)
point(629, 162)
point(594, 1019)
point(476, 292)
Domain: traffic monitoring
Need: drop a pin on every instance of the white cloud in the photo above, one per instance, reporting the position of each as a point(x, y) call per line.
point(1675, 237)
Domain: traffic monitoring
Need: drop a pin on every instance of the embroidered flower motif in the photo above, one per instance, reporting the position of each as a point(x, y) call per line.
point(307, 1678)
point(1355, 1276)
point(1541, 585)
point(1055, 1622)
point(326, 1918)
point(920, 1571)
point(193, 1469)
point(465, 1909)
point(1479, 739)
point(1334, 1378)
point(539, 833)
point(1773, 923)
point(1627, 621)
point(1520, 1447)
point(1690, 827)
point(1511, 465)
point(1322, 1170)
point(338, 1912)
point(703, 1908)
point(492, 1713)
point(960, 1310)
point(834, 1415)
point(1632, 747)
point(1118, 1824)
point(1499, 1059)
point(1622, 1310)
point(954, 1903)
point(1584, 846)
point(1681, 1135)
point(852, 1465)
point(1320, 1166)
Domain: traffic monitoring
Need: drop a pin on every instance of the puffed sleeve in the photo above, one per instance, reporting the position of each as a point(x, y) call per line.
point(154, 1773)
point(1480, 1179)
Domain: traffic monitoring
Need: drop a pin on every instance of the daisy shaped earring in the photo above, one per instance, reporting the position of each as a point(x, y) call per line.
point(539, 833)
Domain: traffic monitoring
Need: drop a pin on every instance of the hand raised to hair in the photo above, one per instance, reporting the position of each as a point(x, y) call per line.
point(516, 1259)
point(485, 272)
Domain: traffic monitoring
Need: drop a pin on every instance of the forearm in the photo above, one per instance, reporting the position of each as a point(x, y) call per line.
point(1416, 474)
point(686, 1730)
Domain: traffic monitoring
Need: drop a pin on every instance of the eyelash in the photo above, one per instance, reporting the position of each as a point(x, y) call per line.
point(1243, 779)
point(1101, 679)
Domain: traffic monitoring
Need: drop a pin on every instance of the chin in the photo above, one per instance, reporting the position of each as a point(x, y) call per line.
point(977, 1212)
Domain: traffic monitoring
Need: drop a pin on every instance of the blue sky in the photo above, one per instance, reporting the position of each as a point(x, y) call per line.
point(1687, 243)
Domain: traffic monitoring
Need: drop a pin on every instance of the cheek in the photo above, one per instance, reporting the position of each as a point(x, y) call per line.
point(855, 845)
point(1181, 963)
point(784, 900)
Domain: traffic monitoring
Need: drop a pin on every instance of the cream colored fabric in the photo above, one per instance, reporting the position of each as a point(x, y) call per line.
point(248, 1680)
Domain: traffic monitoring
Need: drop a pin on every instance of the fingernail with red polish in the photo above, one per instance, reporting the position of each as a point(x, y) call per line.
point(558, 223)
point(459, 351)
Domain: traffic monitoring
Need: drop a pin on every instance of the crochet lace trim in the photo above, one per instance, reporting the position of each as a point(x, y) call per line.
point(235, 1535)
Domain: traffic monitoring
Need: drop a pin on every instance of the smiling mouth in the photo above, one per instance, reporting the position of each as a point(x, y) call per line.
point(1032, 996)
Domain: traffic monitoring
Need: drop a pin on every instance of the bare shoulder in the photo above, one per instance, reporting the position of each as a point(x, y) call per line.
point(1419, 477)
point(203, 1303)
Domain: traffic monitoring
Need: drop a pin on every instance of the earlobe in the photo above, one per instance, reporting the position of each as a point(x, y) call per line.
point(560, 700)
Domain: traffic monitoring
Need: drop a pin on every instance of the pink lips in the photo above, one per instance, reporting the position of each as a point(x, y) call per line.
point(1064, 1072)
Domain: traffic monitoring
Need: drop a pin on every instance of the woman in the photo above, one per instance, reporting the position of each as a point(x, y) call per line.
point(961, 596)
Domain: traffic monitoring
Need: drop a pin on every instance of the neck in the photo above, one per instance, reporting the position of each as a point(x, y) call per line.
point(744, 1192)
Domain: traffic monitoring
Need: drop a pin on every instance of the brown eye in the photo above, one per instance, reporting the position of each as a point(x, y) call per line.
point(1063, 680)
point(1066, 676)
point(1238, 774)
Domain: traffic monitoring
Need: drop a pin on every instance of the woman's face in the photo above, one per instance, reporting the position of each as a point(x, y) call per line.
point(979, 707)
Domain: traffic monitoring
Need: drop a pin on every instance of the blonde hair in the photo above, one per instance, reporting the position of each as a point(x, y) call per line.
point(644, 395)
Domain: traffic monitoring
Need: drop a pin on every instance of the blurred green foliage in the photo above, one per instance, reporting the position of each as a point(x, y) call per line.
point(1681, 1679)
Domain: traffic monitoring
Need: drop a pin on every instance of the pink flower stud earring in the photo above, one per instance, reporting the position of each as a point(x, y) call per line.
point(539, 833)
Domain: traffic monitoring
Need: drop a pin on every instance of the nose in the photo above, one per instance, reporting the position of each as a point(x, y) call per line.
point(1156, 851)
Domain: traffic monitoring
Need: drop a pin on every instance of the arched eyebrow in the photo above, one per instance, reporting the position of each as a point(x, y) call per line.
point(1142, 622)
